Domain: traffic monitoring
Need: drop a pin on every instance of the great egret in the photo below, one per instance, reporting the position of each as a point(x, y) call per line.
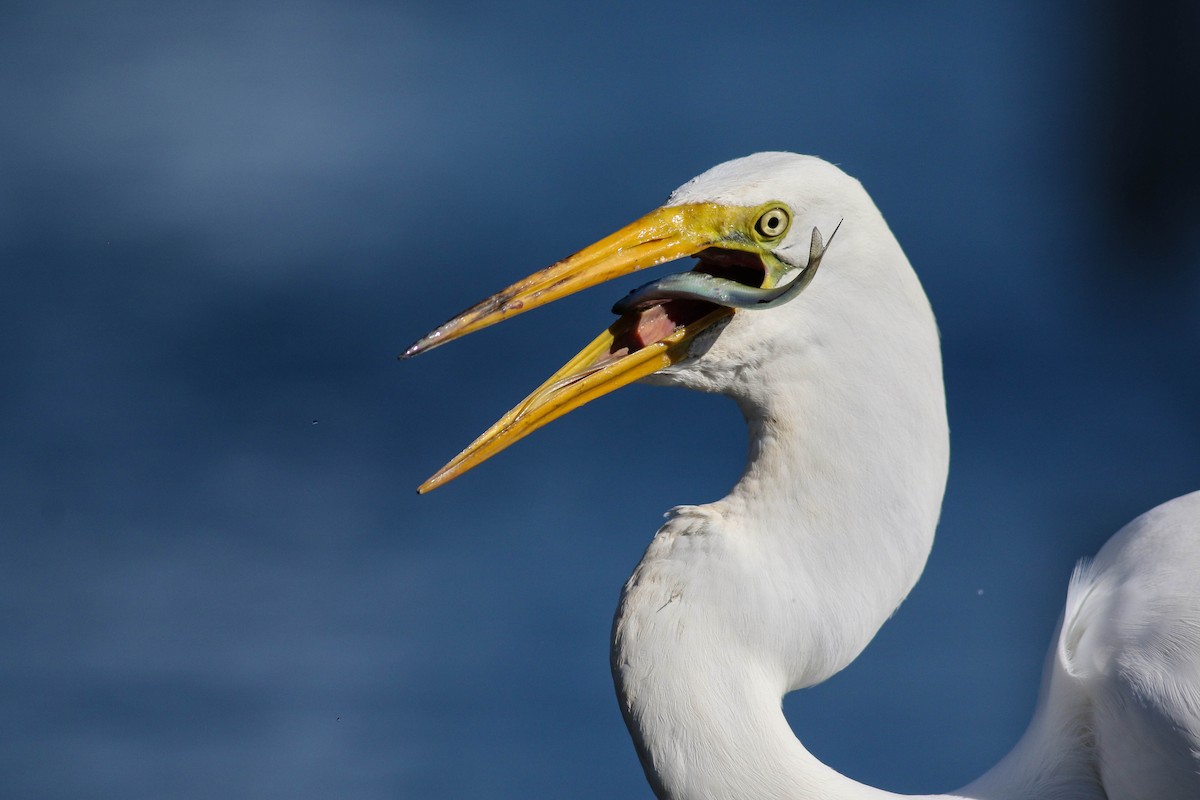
point(782, 583)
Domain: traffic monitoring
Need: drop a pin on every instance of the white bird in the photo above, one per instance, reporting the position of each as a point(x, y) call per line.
point(782, 583)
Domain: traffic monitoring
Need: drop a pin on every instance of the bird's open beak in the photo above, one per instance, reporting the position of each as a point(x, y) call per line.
point(637, 344)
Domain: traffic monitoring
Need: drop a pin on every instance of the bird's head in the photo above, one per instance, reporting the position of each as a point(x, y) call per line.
point(759, 228)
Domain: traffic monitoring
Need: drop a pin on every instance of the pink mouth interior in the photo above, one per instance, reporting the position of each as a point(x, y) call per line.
point(642, 328)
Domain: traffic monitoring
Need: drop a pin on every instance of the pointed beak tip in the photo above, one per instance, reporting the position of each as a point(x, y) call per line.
point(430, 484)
point(415, 349)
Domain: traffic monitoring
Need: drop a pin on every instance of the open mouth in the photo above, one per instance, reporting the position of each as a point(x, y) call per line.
point(656, 323)
point(651, 322)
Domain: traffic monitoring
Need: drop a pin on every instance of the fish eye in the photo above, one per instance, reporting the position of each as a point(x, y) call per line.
point(773, 223)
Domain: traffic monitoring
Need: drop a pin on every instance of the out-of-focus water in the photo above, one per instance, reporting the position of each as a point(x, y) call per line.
point(220, 223)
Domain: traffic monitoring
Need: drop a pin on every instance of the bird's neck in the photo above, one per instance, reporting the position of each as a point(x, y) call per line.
point(784, 581)
point(737, 603)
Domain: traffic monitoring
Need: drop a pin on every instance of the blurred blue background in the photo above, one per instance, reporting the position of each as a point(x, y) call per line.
point(220, 223)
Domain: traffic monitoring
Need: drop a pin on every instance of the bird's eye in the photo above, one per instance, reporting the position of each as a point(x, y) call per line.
point(772, 223)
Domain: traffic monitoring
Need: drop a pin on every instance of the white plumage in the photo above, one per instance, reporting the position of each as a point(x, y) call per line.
point(782, 583)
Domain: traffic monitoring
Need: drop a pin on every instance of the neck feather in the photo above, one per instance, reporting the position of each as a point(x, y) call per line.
point(784, 581)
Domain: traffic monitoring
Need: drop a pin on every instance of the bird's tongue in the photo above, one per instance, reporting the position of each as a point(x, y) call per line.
point(642, 328)
point(654, 324)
